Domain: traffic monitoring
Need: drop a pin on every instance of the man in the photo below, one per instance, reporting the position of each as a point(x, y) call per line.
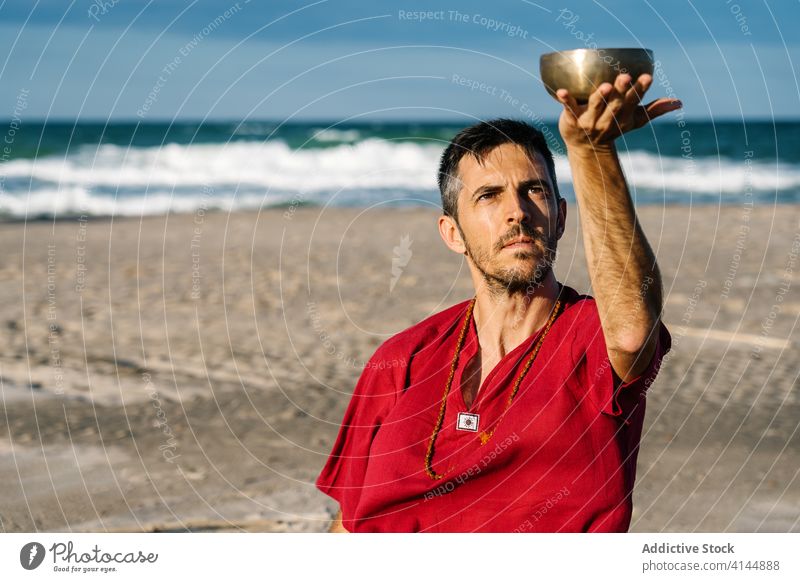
point(522, 408)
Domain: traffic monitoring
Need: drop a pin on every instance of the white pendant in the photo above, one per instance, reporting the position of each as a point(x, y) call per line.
point(468, 421)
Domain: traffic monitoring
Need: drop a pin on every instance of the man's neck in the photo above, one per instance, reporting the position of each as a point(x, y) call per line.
point(504, 321)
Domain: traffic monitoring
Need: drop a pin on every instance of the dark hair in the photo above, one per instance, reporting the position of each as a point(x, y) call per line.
point(478, 140)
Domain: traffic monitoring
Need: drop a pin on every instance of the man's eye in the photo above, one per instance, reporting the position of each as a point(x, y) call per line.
point(487, 195)
point(537, 190)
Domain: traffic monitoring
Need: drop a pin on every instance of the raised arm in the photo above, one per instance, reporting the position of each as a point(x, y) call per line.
point(626, 282)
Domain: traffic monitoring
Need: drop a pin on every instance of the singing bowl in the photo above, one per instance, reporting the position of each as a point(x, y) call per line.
point(581, 71)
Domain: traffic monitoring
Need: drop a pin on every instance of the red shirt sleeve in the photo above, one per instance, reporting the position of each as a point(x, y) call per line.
point(605, 388)
point(375, 394)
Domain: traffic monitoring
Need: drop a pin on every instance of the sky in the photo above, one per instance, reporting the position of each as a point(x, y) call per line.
point(344, 60)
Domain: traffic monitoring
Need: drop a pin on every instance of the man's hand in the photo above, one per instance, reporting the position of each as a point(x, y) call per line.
point(611, 111)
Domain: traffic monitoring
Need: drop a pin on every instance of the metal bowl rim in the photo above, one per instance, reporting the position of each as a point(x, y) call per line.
point(597, 50)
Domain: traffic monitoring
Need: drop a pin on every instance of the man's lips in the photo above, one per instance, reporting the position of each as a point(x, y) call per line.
point(519, 243)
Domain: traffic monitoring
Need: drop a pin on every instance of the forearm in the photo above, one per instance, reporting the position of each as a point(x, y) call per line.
point(626, 282)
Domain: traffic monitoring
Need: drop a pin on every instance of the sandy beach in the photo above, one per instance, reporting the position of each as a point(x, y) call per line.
point(190, 371)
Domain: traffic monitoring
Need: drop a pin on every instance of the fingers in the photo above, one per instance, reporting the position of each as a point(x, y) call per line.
point(625, 113)
point(636, 93)
point(569, 103)
point(614, 109)
point(598, 101)
point(617, 104)
point(622, 83)
point(657, 108)
point(607, 100)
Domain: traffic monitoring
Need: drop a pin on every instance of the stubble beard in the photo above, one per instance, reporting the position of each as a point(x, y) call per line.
point(504, 281)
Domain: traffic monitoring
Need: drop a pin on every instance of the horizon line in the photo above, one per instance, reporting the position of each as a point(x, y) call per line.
point(333, 122)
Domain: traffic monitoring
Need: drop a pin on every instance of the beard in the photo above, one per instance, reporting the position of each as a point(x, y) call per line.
point(531, 268)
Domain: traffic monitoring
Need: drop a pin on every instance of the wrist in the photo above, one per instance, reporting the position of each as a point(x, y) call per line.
point(591, 150)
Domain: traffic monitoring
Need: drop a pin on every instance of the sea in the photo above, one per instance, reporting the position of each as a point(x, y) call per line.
point(63, 169)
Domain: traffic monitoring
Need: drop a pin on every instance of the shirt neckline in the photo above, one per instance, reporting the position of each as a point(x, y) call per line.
point(469, 351)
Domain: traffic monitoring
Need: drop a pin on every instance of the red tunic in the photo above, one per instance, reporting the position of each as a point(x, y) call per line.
point(562, 458)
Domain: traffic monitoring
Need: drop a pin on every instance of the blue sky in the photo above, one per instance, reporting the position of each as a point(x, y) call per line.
point(334, 59)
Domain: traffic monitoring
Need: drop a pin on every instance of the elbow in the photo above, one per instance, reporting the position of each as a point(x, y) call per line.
point(627, 345)
point(632, 353)
point(635, 340)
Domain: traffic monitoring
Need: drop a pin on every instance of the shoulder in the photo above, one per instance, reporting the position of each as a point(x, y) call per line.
point(393, 360)
point(433, 328)
point(579, 308)
point(582, 316)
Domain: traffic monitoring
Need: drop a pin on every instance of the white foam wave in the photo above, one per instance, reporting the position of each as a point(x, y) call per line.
point(333, 135)
point(707, 175)
point(368, 164)
point(78, 201)
point(117, 180)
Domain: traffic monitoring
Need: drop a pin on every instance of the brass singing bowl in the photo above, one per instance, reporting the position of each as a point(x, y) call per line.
point(581, 71)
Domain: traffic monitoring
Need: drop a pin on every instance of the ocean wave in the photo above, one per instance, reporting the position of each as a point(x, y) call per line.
point(79, 201)
point(370, 163)
point(328, 135)
point(707, 175)
point(112, 179)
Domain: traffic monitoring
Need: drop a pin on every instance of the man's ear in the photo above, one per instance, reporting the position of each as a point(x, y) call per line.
point(451, 235)
point(562, 217)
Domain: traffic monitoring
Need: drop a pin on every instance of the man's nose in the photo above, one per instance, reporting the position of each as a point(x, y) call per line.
point(516, 209)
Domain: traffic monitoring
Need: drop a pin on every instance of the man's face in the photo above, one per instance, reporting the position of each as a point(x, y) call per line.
point(508, 197)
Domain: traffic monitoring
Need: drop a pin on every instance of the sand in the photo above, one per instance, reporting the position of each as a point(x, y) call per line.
point(190, 371)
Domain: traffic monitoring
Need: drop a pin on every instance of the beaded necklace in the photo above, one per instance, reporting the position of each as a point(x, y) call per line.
point(484, 435)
